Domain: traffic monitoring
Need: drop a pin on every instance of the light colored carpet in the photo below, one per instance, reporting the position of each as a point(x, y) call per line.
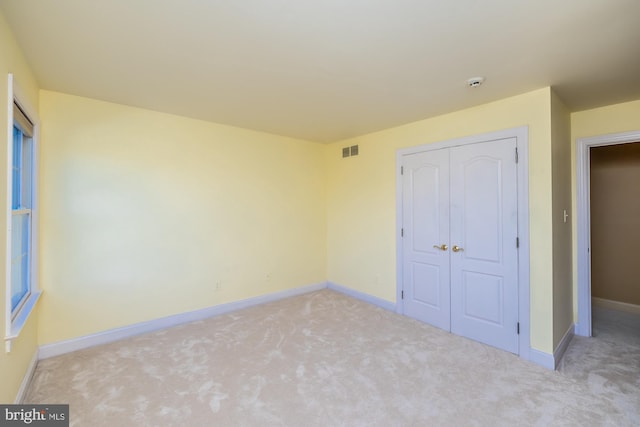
point(324, 359)
point(609, 363)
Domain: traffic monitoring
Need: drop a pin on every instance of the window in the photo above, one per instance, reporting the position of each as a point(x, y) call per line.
point(21, 209)
point(21, 281)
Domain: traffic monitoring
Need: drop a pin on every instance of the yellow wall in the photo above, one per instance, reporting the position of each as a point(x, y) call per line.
point(158, 209)
point(615, 118)
point(144, 213)
point(561, 194)
point(147, 214)
point(13, 365)
point(361, 199)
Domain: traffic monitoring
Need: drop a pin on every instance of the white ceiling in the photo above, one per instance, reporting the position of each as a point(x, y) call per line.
point(325, 70)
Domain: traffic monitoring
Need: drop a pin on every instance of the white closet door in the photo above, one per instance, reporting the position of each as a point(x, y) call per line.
point(425, 222)
point(483, 224)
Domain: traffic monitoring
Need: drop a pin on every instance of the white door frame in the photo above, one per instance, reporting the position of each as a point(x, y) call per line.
point(583, 212)
point(522, 137)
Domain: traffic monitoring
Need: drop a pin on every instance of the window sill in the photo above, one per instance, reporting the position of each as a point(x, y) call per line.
point(21, 319)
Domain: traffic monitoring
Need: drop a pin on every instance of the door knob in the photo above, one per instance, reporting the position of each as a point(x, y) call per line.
point(442, 247)
point(457, 248)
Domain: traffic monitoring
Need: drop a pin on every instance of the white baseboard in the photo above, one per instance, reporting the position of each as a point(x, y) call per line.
point(563, 345)
point(546, 360)
point(105, 337)
point(551, 361)
point(26, 380)
point(387, 305)
point(615, 305)
point(543, 359)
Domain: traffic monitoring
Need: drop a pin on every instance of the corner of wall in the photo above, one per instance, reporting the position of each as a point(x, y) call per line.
point(563, 312)
point(14, 366)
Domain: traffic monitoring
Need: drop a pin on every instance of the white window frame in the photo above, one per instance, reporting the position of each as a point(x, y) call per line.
point(15, 320)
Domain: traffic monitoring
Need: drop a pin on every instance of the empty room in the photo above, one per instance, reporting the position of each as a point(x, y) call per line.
point(336, 213)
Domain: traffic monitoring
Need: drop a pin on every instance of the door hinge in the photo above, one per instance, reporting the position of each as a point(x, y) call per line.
point(518, 328)
point(401, 294)
point(401, 170)
point(517, 242)
point(516, 154)
point(402, 232)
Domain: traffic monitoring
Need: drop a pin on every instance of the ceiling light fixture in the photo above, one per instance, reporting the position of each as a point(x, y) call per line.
point(475, 81)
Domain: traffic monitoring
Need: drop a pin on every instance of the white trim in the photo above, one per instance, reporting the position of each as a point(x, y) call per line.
point(522, 137)
point(7, 280)
point(26, 380)
point(583, 174)
point(399, 216)
point(524, 259)
point(14, 329)
point(387, 305)
point(522, 131)
point(15, 325)
point(563, 345)
point(543, 359)
point(615, 305)
point(105, 337)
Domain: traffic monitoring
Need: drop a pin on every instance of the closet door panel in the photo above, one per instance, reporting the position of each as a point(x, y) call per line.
point(425, 211)
point(483, 227)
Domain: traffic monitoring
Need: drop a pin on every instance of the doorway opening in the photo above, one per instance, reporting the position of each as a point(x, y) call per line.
point(595, 192)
